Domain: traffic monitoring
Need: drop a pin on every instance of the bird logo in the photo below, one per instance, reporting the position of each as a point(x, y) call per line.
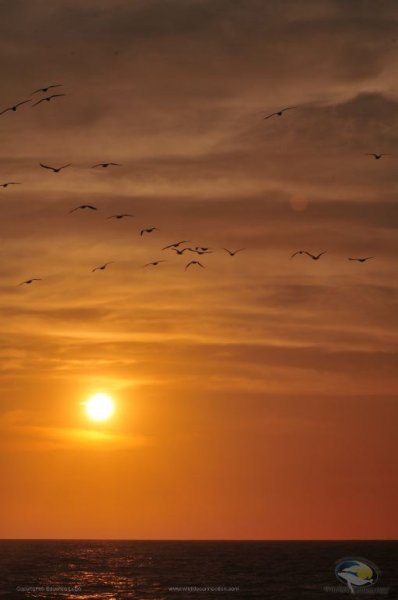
point(356, 573)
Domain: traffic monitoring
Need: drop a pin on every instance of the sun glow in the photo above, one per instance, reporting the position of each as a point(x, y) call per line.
point(100, 407)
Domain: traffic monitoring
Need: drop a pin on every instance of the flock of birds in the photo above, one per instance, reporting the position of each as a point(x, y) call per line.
point(176, 247)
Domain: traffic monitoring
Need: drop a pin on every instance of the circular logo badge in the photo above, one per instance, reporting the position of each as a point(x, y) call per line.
point(356, 572)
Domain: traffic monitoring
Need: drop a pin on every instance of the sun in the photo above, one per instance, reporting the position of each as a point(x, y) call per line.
point(100, 407)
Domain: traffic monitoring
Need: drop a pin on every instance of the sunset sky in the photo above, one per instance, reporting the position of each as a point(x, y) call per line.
point(255, 398)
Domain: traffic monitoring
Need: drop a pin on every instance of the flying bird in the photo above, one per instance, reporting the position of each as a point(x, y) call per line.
point(83, 206)
point(233, 252)
point(47, 99)
point(55, 169)
point(121, 216)
point(45, 89)
point(362, 260)
point(180, 251)
point(154, 264)
point(201, 249)
point(376, 156)
point(28, 281)
point(105, 165)
point(298, 252)
point(279, 113)
point(149, 230)
point(4, 185)
point(102, 267)
point(14, 108)
point(315, 256)
point(194, 262)
point(176, 244)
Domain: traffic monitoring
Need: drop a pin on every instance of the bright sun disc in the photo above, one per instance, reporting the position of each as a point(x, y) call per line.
point(100, 407)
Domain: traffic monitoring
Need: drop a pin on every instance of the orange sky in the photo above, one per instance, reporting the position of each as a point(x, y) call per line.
point(256, 398)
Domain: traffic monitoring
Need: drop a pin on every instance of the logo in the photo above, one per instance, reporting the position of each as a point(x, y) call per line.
point(356, 573)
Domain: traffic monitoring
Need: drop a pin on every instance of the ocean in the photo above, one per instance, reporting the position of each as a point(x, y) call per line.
point(205, 570)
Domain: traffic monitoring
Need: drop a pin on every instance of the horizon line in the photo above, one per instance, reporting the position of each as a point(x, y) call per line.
point(21, 539)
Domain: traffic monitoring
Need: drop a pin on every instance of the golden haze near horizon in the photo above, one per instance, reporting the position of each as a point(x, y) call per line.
point(255, 398)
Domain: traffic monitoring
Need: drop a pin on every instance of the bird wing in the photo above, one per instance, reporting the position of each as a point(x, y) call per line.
point(64, 167)
point(269, 116)
point(188, 265)
point(295, 253)
point(46, 167)
point(48, 87)
point(99, 165)
point(115, 164)
point(55, 96)
point(289, 108)
point(5, 110)
point(200, 265)
point(23, 102)
point(36, 103)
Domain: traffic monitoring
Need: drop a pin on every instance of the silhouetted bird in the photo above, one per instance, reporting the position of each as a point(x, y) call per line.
point(180, 251)
point(154, 264)
point(176, 244)
point(102, 267)
point(83, 206)
point(233, 252)
point(45, 89)
point(149, 230)
point(200, 252)
point(14, 108)
point(362, 259)
point(201, 249)
point(298, 252)
point(4, 185)
point(55, 169)
point(194, 262)
point(28, 281)
point(316, 256)
point(377, 156)
point(279, 113)
point(47, 99)
point(120, 216)
point(105, 165)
